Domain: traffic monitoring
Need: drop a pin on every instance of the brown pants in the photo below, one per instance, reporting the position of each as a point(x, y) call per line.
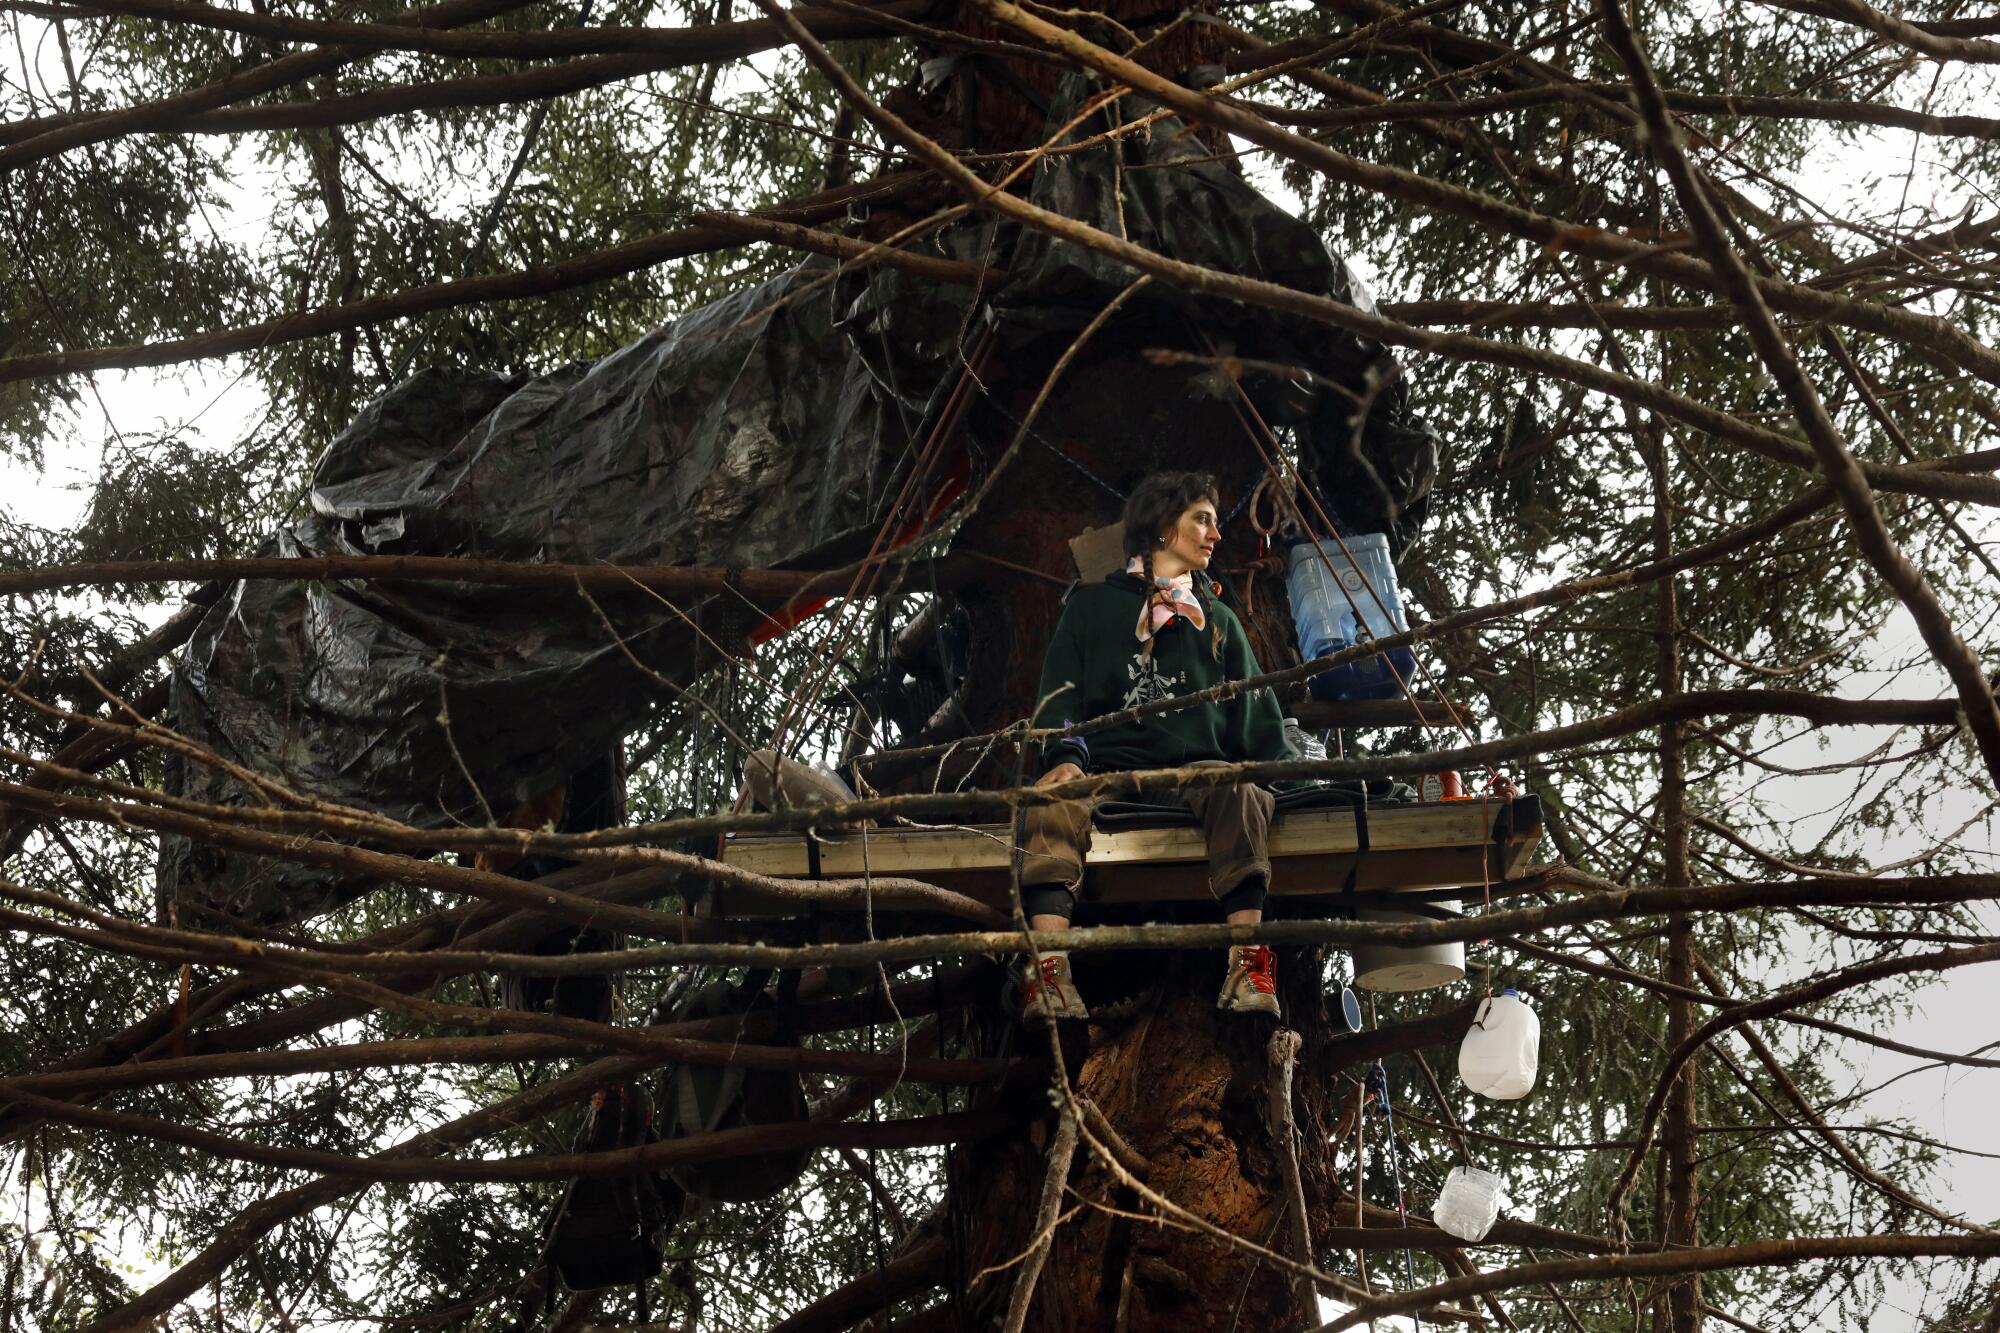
point(1235, 824)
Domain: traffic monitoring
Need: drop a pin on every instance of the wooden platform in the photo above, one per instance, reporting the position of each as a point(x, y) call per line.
point(1451, 844)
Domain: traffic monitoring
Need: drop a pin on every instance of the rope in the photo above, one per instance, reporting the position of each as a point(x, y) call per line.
point(874, 1182)
point(1284, 485)
point(863, 584)
point(1295, 483)
point(1064, 454)
point(1289, 476)
point(1264, 531)
point(1242, 501)
point(1378, 1081)
point(955, 1219)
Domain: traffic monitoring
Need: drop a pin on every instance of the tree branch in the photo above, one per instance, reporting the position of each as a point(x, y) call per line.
point(1622, 1267)
point(598, 266)
point(718, 1145)
point(99, 127)
point(1791, 998)
point(1850, 484)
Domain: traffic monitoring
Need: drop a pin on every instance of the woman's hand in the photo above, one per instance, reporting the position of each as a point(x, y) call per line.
point(1060, 773)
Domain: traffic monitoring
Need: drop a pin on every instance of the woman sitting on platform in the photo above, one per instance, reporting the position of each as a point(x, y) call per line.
point(1154, 631)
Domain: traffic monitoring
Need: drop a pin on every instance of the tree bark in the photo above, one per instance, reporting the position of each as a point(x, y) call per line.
point(1186, 1088)
point(1680, 1311)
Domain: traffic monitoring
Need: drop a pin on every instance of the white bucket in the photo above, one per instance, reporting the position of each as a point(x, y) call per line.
point(1502, 1049)
point(1387, 967)
point(1470, 1203)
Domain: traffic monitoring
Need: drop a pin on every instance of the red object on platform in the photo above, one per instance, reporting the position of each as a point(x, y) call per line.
point(956, 480)
point(1443, 786)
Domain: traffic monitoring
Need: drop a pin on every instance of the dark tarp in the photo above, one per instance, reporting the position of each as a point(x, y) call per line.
point(741, 435)
point(763, 430)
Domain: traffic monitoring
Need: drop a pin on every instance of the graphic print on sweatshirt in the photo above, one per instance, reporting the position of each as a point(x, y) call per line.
point(1149, 683)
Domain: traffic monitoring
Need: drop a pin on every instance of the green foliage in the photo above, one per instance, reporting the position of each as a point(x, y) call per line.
point(159, 236)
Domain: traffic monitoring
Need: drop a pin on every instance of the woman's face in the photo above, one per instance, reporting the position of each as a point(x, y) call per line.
point(1191, 541)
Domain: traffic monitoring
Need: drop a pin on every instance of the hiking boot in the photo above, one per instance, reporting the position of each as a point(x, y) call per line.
point(1251, 987)
point(1048, 994)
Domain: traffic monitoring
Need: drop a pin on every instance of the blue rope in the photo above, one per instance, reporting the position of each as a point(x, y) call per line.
point(1063, 454)
point(1378, 1083)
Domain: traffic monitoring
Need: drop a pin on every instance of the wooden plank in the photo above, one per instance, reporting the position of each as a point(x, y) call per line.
point(922, 852)
point(1524, 836)
point(1444, 845)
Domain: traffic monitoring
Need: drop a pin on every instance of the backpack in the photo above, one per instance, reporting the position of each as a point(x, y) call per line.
point(611, 1231)
point(701, 1099)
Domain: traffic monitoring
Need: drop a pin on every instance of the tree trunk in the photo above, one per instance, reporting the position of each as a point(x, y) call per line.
point(1184, 1085)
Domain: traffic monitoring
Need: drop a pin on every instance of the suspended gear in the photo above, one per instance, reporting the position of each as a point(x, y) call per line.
point(613, 1231)
point(591, 798)
point(1304, 742)
point(702, 1099)
point(1344, 593)
point(777, 783)
point(1470, 1203)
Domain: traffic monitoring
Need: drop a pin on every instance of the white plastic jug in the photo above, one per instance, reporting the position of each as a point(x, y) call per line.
point(1502, 1049)
point(1470, 1203)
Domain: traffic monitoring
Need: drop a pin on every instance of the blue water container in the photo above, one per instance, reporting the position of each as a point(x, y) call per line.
point(1326, 589)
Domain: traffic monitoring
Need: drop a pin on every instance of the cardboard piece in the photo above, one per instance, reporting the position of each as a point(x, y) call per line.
point(1098, 551)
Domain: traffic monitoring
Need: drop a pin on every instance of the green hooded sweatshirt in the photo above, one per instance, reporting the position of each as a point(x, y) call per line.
point(1096, 665)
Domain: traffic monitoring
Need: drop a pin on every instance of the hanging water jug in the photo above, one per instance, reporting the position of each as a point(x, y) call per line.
point(1334, 599)
point(1470, 1203)
point(1502, 1049)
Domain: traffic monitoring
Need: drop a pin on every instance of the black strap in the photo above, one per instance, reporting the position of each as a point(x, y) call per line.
point(1360, 845)
point(813, 871)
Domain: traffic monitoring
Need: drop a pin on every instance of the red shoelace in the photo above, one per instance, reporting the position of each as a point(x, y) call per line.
point(1260, 967)
point(1032, 987)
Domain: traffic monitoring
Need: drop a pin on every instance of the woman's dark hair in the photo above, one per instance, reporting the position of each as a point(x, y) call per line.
point(1158, 502)
point(1155, 505)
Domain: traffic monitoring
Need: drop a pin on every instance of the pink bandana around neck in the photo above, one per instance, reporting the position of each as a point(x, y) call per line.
point(1171, 597)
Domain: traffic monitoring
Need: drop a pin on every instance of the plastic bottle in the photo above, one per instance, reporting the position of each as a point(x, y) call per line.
point(1304, 742)
point(1502, 1049)
point(1327, 591)
point(1470, 1203)
point(1445, 786)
